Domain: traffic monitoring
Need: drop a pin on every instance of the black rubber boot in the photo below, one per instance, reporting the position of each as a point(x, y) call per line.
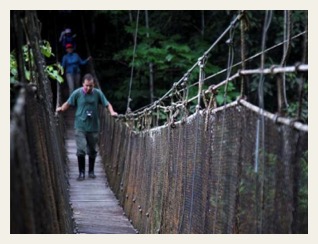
point(91, 168)
point(81, 167)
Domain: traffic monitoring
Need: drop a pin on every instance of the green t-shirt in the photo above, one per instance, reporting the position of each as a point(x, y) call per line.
point(87, 112)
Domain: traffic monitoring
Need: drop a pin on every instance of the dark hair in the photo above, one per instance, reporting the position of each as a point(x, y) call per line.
point(89, 77)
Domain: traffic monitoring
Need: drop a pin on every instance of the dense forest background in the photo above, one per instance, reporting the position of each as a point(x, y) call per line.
point(168, 43)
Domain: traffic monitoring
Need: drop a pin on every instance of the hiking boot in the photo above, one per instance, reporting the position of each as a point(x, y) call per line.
point(91, 161)
point(81, 177)
point(81, 167)
point(92, 175)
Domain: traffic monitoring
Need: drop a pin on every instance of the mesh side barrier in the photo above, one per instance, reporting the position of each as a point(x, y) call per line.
point(38, 171)
point(157, 184)
point(206, 177)
point(177, 190)
point(42, 154)
point(174, 180)
point(138, 191)
point(130, 179)
point(197, 193)
point(187, 163)
point(201, 177)
point(117, 157)
point(22, 210)
point(141, 200)
point(183, 183)
point(156, 191)
point(122, 164)
point(266, 194)
point(300, 184)
point(223, 170)
point(135, 177)
point(166, 159)
point(246, 216)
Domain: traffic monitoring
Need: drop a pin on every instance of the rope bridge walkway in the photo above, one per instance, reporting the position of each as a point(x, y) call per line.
point(95, 207)
point(234, 168)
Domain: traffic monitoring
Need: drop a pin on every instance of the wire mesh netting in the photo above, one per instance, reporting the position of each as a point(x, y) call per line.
point(39, 198)
point(228, 170)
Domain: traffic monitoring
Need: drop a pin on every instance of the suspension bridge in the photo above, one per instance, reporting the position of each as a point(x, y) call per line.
point(235, 168)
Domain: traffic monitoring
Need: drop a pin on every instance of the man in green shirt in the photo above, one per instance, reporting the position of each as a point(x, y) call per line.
point(86, 100)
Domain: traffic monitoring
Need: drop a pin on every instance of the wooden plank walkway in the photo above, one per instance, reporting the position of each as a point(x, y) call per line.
point(96, 209)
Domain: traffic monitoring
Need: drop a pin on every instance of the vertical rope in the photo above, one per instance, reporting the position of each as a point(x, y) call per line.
point(132, 65)
point(261, 123)
point(243, 51)
point(287, 38)
point(229, 69)
point(194, 170)
point(282, 99)
point(201, 63)
point(301, 83)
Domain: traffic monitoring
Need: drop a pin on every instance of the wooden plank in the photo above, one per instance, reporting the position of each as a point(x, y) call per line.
point(95, 207)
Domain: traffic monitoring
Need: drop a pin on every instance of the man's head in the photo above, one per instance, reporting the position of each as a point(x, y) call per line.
point(88, 83)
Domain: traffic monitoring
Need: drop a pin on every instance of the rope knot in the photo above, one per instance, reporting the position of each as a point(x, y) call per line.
point(202, 61)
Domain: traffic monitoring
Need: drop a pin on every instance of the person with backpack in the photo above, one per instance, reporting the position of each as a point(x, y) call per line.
point(67, 37)
point(71, 62)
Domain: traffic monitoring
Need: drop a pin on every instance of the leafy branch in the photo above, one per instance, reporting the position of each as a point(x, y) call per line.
point(54, 71)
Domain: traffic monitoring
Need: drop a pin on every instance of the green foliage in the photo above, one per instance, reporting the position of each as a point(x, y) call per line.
point(228, 95)
point(268, 86)
point(54, 71)
point(167, 56)
point(13, 68)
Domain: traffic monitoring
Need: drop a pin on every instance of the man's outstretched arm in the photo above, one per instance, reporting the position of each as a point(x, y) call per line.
point(111, 110)
point(64, 107)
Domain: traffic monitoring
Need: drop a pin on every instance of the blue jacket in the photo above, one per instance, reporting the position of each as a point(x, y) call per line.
point(71, 63)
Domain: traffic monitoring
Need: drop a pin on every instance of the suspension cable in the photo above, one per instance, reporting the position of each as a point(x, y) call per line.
point(243, 24)
point(153, 105)
point(261, 122)
point(287, 31)
point(132, 65)
point(237, 18)
point(304, 57)
point(249, 59)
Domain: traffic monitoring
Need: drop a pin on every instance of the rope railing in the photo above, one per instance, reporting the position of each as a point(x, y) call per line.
point(268, 71)
point(248, 59)
point(253, 57)
point(187, 74)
